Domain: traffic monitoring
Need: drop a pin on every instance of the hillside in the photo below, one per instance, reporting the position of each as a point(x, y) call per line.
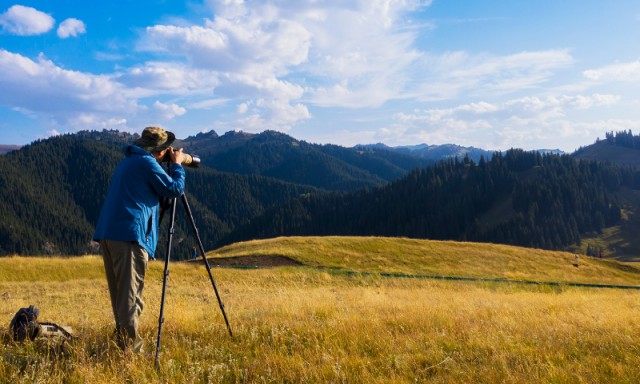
point(430, 258)
point(621, 240)
point(280, 156)
point(605, 150)
point(51, 193)
point(519, 198)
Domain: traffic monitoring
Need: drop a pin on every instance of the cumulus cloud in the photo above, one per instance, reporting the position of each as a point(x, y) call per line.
point(168, 111)
point(26, 21)
point(528, 122)
point(261, 114)
point(71, 28)
point(280, 56)
point(274, 59)
point(165, 77)
point(96, 121)
point(266, 65)
point(43, 87)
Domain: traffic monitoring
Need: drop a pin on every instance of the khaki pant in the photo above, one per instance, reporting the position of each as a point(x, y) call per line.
point(125, 264)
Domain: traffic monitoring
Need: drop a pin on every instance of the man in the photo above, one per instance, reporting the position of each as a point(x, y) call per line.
point(127, 228)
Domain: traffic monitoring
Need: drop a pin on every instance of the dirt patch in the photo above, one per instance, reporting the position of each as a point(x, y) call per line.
point(253, 261)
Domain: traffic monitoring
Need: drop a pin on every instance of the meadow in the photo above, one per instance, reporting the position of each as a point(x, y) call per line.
point(336, 319)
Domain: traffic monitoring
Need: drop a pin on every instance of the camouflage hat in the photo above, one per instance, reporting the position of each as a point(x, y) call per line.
point(155, 139)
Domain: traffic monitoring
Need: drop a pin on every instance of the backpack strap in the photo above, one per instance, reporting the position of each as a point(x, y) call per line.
point(48, 329)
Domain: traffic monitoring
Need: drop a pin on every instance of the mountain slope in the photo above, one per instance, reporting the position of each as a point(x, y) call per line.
point(280, 156)
point(51, 193)
point(604, 150)
point(521, 198)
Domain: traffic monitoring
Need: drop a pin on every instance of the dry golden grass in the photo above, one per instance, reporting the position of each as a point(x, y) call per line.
point(313, 325)
point(439, 258)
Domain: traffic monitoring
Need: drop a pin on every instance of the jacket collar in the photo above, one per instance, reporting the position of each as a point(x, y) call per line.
point(135, 150)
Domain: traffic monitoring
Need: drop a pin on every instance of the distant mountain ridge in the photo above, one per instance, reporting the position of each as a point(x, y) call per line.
point(6, 148)
point(435, 152)
point(445, 151)
point(281, 156)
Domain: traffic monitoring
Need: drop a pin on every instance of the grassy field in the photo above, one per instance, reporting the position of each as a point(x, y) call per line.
point(317, 324)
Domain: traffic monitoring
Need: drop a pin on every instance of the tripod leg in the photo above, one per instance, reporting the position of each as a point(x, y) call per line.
point(164, 281)
point(206, 262)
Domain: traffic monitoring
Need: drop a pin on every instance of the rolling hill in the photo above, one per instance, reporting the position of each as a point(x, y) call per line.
point(604, 150)
point(430, 258)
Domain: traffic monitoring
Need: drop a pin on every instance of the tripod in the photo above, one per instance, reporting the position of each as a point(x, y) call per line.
point(173, 205)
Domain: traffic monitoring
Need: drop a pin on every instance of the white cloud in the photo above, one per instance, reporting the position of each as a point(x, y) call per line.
point(95, 121)
point(25, 21)
point(53, 132)
point(245, 56)
point(288, 50)
point(261, 114)
point(175, 78)
point(41, 86)
point(528, 122)
point(452, 74)
point(273, 59)
point(242, 108)
point(625, 72)
point(264, 65)
point(71, 28)
point(168, 111)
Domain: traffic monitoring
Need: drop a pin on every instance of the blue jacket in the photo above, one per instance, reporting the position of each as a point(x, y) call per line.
point(131, 209)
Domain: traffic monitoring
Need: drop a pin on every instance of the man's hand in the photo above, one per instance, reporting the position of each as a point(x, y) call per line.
point(176, 156)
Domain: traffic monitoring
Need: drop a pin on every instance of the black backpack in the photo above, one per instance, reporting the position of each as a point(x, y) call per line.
point(25, 324)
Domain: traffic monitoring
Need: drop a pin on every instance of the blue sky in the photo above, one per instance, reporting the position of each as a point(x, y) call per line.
point(493, 74)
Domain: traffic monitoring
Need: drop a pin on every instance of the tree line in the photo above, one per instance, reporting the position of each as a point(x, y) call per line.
point(623, 139)
point(520, 198)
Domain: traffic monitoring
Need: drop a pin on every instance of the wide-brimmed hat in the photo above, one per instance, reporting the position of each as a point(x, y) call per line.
point(155, 139)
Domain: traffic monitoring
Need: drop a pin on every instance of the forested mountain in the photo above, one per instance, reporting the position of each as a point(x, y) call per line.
point(51, 193)
point(520, 198)
point(280, 156)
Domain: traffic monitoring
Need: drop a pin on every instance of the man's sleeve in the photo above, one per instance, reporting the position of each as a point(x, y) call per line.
point(168, 186)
